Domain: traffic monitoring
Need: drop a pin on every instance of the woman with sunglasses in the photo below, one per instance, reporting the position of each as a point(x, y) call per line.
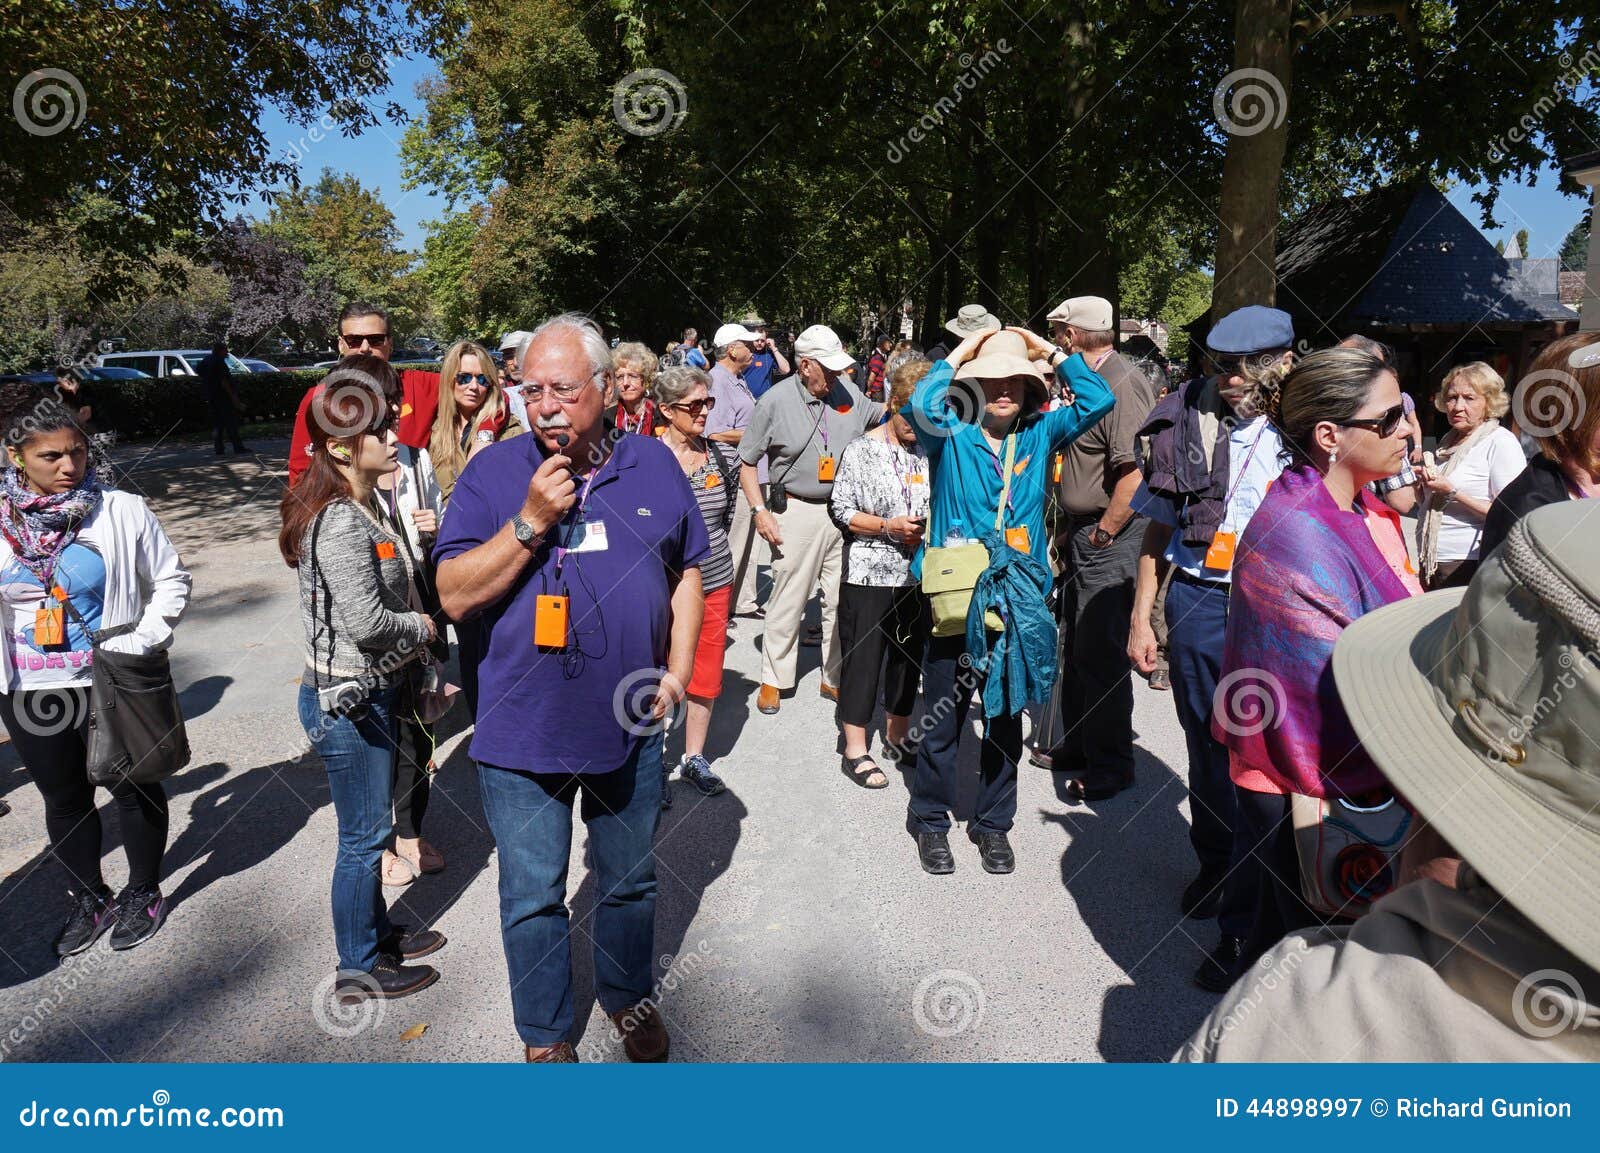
point(473, 412)
point(365, 632)
point(1321, 551)
point(683, 399)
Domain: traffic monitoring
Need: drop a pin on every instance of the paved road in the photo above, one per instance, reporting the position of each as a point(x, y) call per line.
point(794, 923)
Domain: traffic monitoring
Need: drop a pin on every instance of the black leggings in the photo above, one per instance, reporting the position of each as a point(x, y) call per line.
point(49, 729)
point(412, 784)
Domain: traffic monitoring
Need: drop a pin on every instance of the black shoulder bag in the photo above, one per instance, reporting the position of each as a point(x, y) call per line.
point(136, 730)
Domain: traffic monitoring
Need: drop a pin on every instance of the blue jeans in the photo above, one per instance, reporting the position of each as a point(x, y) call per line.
point(530, 815)
point(1197, 619)
point(948, 685)
point(359, 757)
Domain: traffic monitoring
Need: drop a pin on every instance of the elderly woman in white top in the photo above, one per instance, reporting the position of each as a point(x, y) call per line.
point(1474, 461)
point(880, 502)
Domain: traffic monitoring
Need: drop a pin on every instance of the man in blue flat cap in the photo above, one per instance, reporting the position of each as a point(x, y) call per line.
point(1209, 455)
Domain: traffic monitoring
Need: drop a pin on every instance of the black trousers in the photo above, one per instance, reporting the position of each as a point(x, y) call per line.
point(1093, 731)
point(948, 682)
point(882, 632)
point(1280, 909)
point(225, 422)
point(412, 782)
point(49, 728)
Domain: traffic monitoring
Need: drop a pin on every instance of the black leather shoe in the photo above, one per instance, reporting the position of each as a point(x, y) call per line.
point(1057, 759)
point(386, 982)
point(405, 945)
point(1201, 898)
point(994, 850)
point(934, 850)
point(1220, 970)
point(1097, 787)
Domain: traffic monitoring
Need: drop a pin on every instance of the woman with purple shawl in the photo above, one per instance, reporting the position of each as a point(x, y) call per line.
point(1319, 552)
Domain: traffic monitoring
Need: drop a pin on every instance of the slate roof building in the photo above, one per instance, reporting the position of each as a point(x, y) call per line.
point(1403, 265)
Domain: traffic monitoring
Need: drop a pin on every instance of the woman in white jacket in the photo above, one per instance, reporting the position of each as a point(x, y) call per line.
point(77, 558)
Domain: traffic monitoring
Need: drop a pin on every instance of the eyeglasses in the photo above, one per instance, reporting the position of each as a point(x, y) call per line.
point(696, 407)
point(466, 378)
point(565, 393)
point(356, 340)
point(1385, 425)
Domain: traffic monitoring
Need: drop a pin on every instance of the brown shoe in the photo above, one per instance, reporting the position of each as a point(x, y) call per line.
point(560, 1053)
point(831, 692)
point(767, 700)
point(644, 1037)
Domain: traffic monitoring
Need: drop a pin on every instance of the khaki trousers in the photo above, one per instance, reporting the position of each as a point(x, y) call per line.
point(749, 550)
point(812, 549)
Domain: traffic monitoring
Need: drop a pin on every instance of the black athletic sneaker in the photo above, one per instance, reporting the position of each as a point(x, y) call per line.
point(92, 914)
point(141, 910)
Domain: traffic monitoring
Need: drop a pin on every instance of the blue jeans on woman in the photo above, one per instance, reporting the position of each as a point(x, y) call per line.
point(359, 756)
point(531, 817)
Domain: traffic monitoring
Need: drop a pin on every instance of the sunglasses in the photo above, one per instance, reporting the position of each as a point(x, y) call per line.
point(696, 407)
point(356, 340)
point(466, 378)
point(1385, 425)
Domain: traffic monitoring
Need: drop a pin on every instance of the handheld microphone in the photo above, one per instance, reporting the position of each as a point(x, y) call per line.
point(562, 440)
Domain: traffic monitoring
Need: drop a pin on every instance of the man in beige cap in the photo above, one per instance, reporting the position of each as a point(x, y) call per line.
point(799, 430)
point(1482, 706)
point(1089, 735)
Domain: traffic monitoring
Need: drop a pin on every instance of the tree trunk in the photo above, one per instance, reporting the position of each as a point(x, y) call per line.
point(1255, 114)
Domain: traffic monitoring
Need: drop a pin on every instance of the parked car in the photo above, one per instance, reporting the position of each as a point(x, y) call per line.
point(166, 361)
point(258, 365)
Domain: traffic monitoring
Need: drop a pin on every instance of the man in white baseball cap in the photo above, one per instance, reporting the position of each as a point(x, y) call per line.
point(800, 429)
point(729, 333)
point(511, 346)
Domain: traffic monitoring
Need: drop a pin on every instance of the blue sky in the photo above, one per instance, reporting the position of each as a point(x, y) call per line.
point(374, 157)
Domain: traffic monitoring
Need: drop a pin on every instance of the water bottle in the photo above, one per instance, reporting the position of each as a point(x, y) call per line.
point(956, 535)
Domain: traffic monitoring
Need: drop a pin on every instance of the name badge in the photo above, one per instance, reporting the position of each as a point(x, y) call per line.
point(914, 478)
point(48, 627)
point(550, 622)
point(713, 480)
point(1017, 538)
point(1220, 555)
point(825, 468)
point(590, 536)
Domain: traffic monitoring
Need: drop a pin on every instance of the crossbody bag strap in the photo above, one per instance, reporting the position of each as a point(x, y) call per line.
point(1005, 482)
point(96, 636)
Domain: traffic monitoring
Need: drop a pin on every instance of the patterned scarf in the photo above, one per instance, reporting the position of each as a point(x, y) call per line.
point(39, 528)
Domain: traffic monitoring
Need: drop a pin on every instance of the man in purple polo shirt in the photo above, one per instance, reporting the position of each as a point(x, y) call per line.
point(577, 557)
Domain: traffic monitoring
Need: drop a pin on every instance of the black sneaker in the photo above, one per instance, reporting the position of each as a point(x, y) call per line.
point(994, 850)
point(92, 914)
point(4, 809)
point(697, 771)
point(141, 911)
point(1221, 969)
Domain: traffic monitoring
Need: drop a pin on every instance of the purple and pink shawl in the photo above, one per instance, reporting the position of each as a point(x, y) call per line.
point(1306, 568)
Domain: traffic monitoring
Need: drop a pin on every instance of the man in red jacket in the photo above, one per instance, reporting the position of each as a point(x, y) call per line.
point(364, 328)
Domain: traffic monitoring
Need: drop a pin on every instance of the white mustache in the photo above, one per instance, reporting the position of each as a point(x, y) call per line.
point(557, 421)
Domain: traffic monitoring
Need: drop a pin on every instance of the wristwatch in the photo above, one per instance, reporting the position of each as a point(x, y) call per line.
point(524, 531)
point(1053, 361)
point(1099, 537)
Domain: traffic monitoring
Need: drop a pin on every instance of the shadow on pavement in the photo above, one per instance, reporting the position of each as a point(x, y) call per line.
point(202, 696)
point(1128, 898)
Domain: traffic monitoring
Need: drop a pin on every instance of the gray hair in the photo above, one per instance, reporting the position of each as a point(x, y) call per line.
point(678, 381)
point(587, 331)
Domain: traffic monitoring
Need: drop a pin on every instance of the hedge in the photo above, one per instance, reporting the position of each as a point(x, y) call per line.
point(140, 409)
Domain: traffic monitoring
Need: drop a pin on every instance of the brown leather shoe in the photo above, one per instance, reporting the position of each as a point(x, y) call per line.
point(644, 1037)
point(767, 700)
point(560, 1053)
point(831, 692)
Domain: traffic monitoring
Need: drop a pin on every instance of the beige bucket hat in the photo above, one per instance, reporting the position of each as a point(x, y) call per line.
point(1482, 706)
point(970, 320)
point(1005, 354)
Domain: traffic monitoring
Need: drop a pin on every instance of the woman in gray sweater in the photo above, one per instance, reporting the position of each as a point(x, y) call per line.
point(364, 633)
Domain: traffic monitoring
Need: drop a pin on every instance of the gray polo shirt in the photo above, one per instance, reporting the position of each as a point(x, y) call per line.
point(786, 433)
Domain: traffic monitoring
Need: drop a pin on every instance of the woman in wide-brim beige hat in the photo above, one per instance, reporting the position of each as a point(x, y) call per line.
point(1005, 355)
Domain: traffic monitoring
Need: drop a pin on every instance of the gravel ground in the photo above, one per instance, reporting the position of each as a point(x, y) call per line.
point(794, 922)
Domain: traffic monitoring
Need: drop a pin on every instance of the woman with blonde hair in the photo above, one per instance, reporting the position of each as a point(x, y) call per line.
point(1473, 463)
point(633, 369)
point(473, 412)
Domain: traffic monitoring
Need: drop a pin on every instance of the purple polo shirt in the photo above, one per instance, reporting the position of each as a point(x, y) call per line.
point(733, 410)
point(569, 711)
